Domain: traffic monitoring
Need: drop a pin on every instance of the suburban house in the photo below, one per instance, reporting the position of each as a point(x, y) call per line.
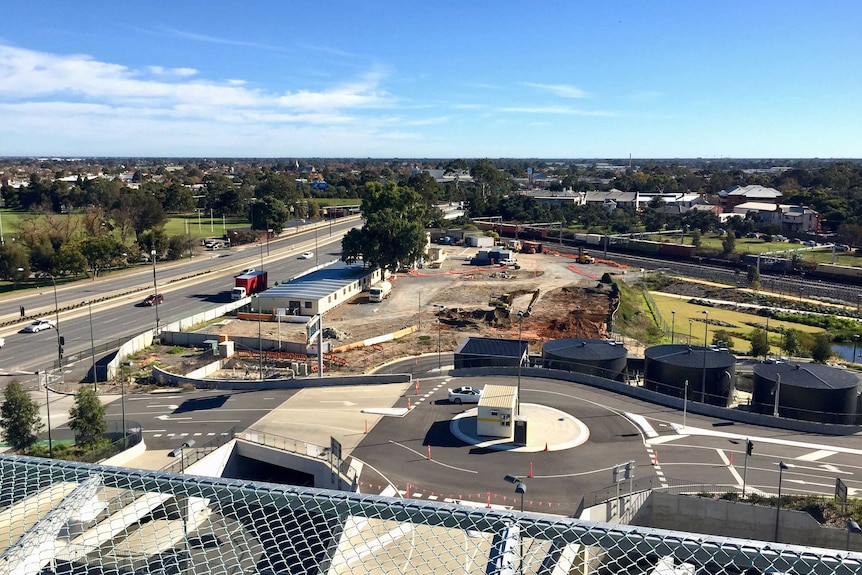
point(733, 196)
point(791, 219)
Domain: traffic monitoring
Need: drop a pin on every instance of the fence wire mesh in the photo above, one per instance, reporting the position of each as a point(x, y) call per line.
point(62, 517)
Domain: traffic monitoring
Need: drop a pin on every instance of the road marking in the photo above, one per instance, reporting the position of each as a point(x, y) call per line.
point(345, 403)
point(170, 406)
point(169, 418)
point(424, 457)
point(730, 468)
point(817, 455)
point(642, 422)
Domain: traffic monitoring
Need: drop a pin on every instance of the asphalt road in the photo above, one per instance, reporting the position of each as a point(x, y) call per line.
point(666, 446)
point(186, 292)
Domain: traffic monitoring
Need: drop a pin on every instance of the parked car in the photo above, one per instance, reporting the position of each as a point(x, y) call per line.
point(2, 342)
point(306, 255)
point(39, 325)
point(154, 298)
point(465, 394)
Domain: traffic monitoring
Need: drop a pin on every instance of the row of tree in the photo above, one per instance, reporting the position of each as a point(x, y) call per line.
point(21, 424)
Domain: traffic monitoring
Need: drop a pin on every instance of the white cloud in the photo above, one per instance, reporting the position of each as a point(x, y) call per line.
point(557, 110)
point(561, 90)
point(162, 71)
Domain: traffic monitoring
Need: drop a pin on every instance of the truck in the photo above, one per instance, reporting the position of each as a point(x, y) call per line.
point(380, 291)
point(248, 283)
point(584, 257)
point(530, 247)
point(514, 245)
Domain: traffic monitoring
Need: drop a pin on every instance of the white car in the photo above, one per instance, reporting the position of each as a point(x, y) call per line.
point(246, 271)
point(39, 325)
point(2, 342)
point(306, 255)
point(465, 394)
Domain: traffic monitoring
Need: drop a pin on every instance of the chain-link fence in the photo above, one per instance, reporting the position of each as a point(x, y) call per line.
point(62, 517)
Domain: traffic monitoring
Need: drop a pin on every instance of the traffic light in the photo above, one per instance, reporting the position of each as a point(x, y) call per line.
point(749, 447)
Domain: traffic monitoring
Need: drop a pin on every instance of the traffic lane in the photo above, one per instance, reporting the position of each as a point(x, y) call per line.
point(398, 448)
point(165, 418)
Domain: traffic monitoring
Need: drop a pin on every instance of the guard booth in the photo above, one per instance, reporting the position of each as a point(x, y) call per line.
point(497, 408)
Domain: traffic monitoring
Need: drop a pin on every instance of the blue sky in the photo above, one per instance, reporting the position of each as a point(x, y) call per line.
point(566, 79)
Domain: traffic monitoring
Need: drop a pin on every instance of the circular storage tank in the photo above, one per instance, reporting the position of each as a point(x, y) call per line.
point(710, 372)
point(808, 391)
point(602, 358)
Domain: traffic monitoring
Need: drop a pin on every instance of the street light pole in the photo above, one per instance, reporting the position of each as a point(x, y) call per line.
point(855, 341)
point(520, 357)
point(92, 345)
point(155, 291)
point(781, 467)
point(48, 413)
point(705, 335)
point(57, 326)
point(259, 340)
point(685, 404)
point(690, 324)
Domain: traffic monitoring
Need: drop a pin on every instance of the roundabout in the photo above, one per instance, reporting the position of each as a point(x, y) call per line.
point(549, 430)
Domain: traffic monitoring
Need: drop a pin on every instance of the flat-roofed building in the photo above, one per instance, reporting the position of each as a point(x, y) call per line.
point(497, 408)
point(320, 290)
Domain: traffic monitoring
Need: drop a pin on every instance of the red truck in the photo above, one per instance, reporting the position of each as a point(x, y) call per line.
point(247, 284)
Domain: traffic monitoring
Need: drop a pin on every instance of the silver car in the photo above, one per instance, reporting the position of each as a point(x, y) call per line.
point(39, 325)
point(465, 394)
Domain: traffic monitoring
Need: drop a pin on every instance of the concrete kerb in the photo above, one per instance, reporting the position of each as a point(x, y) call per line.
point(665, 400)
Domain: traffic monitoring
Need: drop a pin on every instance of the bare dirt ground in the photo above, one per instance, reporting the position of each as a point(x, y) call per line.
point(564, 299)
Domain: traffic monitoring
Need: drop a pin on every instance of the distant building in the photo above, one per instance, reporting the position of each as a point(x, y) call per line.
point(732, 197)
point(790, 219)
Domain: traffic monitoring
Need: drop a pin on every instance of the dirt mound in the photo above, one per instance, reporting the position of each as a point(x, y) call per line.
point(570, 312)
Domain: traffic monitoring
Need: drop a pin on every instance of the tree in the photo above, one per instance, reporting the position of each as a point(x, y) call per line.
point(728, 244)
point(753, 277)
point(87, 418)
point(19, 418)
point(759, 343)
point(394, 232)
point(269, 213)
point(790, 342)
point(695, 237)
point(100, 251)
point(722, 337)
point(13, 256)
point(821, 351)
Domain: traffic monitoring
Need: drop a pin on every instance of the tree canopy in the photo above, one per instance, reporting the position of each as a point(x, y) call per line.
point(393, 235)
point(20, 422)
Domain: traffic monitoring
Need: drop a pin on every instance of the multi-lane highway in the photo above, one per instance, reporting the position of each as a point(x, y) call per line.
point(189, 286)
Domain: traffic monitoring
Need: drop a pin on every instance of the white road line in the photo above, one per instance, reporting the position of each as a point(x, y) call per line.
point(731, 468)
point(641, 422)
point(817, 455)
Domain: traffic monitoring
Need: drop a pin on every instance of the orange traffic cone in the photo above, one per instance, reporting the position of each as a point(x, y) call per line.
point(408, 404)
point(655, 457)
point(546, 446)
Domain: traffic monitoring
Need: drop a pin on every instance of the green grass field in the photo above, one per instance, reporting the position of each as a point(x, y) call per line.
point(738, 323)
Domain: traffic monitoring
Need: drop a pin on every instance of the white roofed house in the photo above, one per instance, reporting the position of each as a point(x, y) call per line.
point(791, 219)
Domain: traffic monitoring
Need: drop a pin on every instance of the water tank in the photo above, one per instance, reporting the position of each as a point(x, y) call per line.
point(602, 358)
point(808, 391)
point(709, 371)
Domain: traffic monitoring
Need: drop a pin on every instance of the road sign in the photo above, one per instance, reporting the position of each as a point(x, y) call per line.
point(312, 328)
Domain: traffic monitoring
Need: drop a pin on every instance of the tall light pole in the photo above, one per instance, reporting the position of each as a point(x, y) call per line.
point(520, 357)
point(57, 326)
point(781, 467)
point(92, 345)
point(777, 393)
point(439, 309)
point(48, 412)
point(520, 488)
point(705, 335)
point(259, 340)
point(690, 324)
point(155, 291)
point(672, 325)
point(684, 403)
point(855, 341)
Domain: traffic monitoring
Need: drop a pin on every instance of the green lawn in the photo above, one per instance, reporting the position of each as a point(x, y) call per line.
point(738, 323)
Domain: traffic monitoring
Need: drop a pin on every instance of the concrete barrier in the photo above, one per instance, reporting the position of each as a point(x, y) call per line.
point(665, 400)
point(172, 379)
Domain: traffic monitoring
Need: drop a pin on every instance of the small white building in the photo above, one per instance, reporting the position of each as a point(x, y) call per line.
point(319, 291)
point(497, 408)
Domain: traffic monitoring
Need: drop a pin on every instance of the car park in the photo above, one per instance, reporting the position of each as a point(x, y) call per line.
point(465, 394)
point(306, 255)
point(39, 325)
point(154, 299)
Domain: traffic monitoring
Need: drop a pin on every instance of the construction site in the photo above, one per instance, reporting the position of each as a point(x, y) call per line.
point(547, 297)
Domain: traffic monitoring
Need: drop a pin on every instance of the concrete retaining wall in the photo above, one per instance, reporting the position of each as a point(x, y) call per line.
point(313, 465)
point(166, 378)
point(741, 520)
point(665, 400)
